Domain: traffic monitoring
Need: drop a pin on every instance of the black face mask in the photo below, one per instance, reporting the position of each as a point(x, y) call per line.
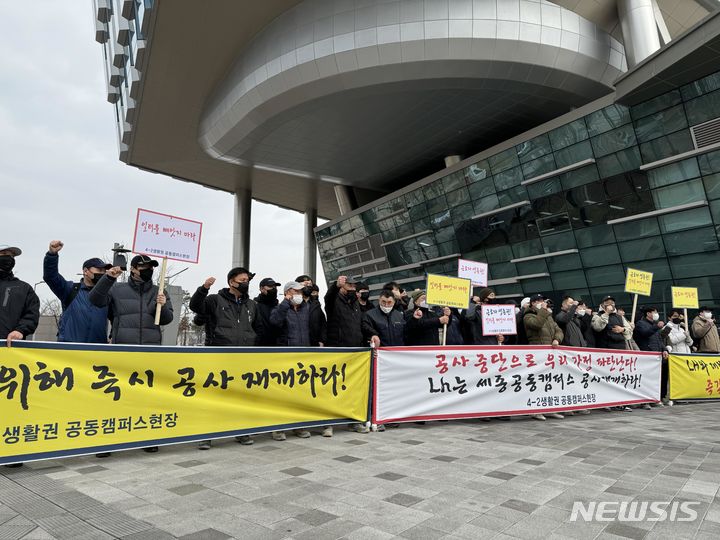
point(351, 296)
point(7, 263)
point(242, 287)
point(96, 278)
point(271, 293)
point(146, 274)
point(677, 320)
point(364, 296)
point(307, 291)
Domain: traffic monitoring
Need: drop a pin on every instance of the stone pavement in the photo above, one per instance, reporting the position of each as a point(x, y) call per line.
point(468, 479)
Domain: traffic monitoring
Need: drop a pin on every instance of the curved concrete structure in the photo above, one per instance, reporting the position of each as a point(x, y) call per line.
point(361, 92)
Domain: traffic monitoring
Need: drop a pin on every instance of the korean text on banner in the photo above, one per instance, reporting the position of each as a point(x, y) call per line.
point(498, 319)
point(685, 298)
point(432, 383)
point(694, 376)
point(476, 272)
point(163, 235)
point(68, 399)
point(448, 291)
point(638, 282)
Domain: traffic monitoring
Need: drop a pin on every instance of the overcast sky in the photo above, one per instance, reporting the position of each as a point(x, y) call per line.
point(60, 174)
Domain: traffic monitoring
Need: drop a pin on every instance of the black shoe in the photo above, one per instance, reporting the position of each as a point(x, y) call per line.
point(14, 465)
point(103, 455)
point(151, 449)
point(205, 445)
point(420, 423)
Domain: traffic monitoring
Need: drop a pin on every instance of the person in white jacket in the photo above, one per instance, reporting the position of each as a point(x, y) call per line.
point(677, 339)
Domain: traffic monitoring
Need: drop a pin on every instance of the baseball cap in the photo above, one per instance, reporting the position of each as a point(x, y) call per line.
point(16, 251)
point(143, 259)
point(96, 263)
point(537, 297)
point(292, 285)
point(268, 282)
point(352, 281)
point(608, 297)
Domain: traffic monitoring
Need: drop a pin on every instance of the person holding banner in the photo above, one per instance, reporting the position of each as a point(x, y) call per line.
point(20, 313)
point(81, 321)
point(421, 324)
point(384, 326)
point(133, 304)
point(705, 331)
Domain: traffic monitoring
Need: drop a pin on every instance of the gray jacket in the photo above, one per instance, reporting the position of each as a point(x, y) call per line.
point(571, 327)
point(131, 310)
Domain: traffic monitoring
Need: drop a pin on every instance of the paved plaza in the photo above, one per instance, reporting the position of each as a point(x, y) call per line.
point(463, 479)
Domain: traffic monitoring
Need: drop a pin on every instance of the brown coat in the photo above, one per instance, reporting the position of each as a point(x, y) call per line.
point(540, 327)
point(706, 333)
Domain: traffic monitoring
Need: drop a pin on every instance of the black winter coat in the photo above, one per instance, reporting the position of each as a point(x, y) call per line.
point(647, 336)
point(294, 324)
point(344, 319)
point(269, 334)
point(318, 324)
point(571, 325)
point(422, 331)
point(389, 328)
point(474, 317)
point(131, 307)
point(19, 307)
point(229, 322)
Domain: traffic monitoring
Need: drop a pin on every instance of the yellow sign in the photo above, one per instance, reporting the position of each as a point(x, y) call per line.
point(638, 282)
point(685, 297)
point(448, 291)
point(694, 376)
point(63, 399)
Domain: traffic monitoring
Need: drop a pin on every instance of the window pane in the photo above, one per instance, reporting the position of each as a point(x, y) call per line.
point(670, 145)
point(607, 119)
point(459, 196)
point(568, 134)
point(704, 108)
point(539, 166)
point(569, 280)
point(500, 254)
point(462, 213)
point(599, 276)
point(573, 154)
point(637, 229)
point(693, 241)
point(600, 256)
point(437, 204)
point(553, 224)
point(709, 163)
point(613, 141)
point(678, 194)
point(679, 221)
point(534, 148)
point(659, 267)
point(564, 262)
point(532, 267)
point(543, 188)
point(703, 86)
point(508, 178)
point(625, 160)
point(579, 177)
point(454, 181)
point(656, 104)
point(639, 250)
point(662, 123)
point(482, 188)
point(478, 171)
point(712, 186)
point(513, 195)
point(558, 242)
point(486, 204)
point(526, 249)
point(503, 161)
point(675, 172)
point(594, 236)
point(700, 264)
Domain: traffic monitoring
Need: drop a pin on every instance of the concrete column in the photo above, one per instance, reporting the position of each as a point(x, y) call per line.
point(241, 228)
point(639, 29)
point(344, 199)
point(310, 251)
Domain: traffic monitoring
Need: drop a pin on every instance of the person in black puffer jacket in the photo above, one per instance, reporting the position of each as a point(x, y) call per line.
point(609, 327)
point(266, 302)
point(422, 326)
point(231, 317)
point(647, 331)
point(344, 317)
point(19, 305)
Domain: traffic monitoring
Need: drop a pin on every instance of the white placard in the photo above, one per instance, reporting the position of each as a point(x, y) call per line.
point(437, 383)
point(498, 319)
point(162, 235)
point(476, 272)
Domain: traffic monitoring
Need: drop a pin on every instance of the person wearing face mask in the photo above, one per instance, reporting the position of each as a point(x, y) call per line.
point(19, 305)
point(231, 319)
point(292, 317)
point(318, 321)
point(363, 294)
point(609, 327)
point(266, 301)
point(344, 317)
point(584, 314)
point(422, 325)
point(384, 326)
point(705, 332)
point(570, 322)
point(540, 327)
point(81, 321)
point(133, 303)
point(647, 331)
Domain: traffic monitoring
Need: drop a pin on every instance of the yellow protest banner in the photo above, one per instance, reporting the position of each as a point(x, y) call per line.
point(448, 291)
point(694, 376)
point(68, 399)
point(638, 282)
point(685, 297)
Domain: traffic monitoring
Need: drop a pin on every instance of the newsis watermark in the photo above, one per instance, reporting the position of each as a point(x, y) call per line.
point(634, 511)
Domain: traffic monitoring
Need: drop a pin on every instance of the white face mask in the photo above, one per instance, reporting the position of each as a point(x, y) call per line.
point(297, 299)
point(549, 310)
point(423, 304)
point(707, 315)
point(386, 309)
point(517, 310)
point(656, 317)
point(580, 312)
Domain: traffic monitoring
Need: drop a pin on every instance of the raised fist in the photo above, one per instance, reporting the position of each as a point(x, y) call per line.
point(341, 281)
point(114, 272)
point(55, 246)
point(209, 282)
